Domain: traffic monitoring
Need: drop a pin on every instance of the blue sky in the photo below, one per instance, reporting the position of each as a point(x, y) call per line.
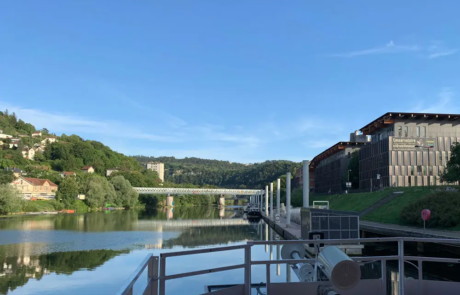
point(243, 81)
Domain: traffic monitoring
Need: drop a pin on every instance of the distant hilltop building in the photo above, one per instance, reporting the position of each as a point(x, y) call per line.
point(87, 169)
point(158, 167)
point(110, 171)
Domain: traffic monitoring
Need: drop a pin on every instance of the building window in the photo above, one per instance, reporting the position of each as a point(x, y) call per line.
point(400, 131)
point(406, 131)
point(423, 131)
point(418, 131)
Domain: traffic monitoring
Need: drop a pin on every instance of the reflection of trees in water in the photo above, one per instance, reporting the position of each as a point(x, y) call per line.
point(15, 271)
point(93, 222)
point(201, 236)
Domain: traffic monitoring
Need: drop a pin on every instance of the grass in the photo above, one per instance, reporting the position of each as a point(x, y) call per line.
point(346, 202)
point(39, 206)
point(389, 213)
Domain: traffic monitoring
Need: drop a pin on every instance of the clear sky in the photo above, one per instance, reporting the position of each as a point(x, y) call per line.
point(244, 81)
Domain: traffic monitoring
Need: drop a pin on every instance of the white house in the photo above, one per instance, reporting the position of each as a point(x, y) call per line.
point(47, 140)
point(28, 153)
point(87, 169)
point(37, 134)
point(110, 171)
point(5, 135)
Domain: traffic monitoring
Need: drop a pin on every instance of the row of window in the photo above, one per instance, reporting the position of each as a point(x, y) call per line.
point(420, 132)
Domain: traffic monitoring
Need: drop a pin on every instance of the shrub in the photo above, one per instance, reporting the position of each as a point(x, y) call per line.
point(10, 200)
point(444, 207)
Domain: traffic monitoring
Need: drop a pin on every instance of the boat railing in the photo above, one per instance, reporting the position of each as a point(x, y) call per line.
point(156, 282)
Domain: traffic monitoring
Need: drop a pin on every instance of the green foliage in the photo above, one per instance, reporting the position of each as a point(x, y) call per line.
point(452, 172)
point(354, 167)
point(81, 207)
point(11, 125)
point(444, 207)
point(68, 191)
point(137, 179)
point(6, 177)
point(126, 196)
point(10, 200)
point(99, 192)
point(221, 173)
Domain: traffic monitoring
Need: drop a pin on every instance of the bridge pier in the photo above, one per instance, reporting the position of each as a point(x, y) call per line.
point(222, 201)
point(169, 201)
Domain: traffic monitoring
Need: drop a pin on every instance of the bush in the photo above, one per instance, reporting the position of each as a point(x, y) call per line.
point(10, 200)
point(444, 207)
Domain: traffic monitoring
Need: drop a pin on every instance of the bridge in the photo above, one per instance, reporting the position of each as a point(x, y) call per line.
point(197, 191)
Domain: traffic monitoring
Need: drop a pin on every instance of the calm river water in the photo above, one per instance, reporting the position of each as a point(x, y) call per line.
point(95, 253)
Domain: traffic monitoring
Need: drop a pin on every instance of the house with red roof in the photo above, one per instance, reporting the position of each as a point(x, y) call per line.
point(67, 173)
point(35, 188)
point(87, 169)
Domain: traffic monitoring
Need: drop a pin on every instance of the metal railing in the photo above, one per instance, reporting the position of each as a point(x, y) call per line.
point(154, 280)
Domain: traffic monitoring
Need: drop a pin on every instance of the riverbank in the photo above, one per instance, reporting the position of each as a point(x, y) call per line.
point(386, 206)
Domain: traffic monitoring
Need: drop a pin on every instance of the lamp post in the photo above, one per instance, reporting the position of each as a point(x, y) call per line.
point(428, 148)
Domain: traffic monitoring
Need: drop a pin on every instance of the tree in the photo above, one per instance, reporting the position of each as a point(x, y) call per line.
point(68, 191)
point(6, 177)
point(452, 171)
point(126, 196)
point(99, 191)
point(353, 165)
point(10, 199)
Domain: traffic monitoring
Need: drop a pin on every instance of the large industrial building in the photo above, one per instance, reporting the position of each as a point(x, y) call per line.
point(330, 168)
point(396, 149)
point(407, 149)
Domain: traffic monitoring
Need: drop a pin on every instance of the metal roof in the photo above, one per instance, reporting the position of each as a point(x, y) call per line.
point(388, 119)
point(332, 150)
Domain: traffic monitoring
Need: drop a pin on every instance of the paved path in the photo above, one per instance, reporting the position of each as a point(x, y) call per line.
point(294, 232)
point(406, 231)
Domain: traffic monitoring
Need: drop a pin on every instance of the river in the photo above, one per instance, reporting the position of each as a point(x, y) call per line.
point(95, 253)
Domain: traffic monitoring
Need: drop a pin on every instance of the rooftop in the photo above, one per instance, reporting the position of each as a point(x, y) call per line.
point(39, 181)
point(389, 118)
point(332, 150)
point(86, 167)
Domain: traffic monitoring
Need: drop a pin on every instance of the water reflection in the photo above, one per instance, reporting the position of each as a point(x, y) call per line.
point(45, 254)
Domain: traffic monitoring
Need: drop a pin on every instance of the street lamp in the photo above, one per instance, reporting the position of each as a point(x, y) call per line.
point(349, 175)
point(427, 166)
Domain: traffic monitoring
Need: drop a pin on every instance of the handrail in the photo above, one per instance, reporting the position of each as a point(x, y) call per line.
point(154, 279)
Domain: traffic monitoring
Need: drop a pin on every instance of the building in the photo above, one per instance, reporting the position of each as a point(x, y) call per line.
point(67, 173)
point(5, 135)
point(158, 167)
point(37, 134)
point(298, 178)
point(49, 139)
point(28, 153)
point(110, 171)
point(407, 149)
point(330, 168)
point(17, 172)
point(87, 169)
point(35, 188)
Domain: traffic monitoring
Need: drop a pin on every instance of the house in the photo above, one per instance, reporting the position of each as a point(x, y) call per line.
point(15, 139)
point(37, 134)
point(66, 173)
point(110, 171)
point(39, 148)
point(87, 169)
point(35, 188)
point(49, 139)
point(13, 144)
point(23, 135)
point(81, 197)
point(1, 131)
point(28, 153)
point(17, 172)
point(5, 135)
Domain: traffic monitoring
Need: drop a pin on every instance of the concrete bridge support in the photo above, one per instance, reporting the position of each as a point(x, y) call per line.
point(222, 201)
point(169, 201)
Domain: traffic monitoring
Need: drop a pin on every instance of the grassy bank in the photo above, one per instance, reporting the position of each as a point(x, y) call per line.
point(388, 213)
point(345, 202)
point(52, 205)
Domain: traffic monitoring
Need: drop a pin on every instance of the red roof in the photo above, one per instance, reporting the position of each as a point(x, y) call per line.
point(38, 181)
point(86, 168)
point(69, 173)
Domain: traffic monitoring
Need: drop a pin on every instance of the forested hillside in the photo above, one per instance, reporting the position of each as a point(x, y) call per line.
point(222, 173)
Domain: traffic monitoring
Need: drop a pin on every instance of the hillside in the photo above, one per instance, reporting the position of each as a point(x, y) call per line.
point(221, 173)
